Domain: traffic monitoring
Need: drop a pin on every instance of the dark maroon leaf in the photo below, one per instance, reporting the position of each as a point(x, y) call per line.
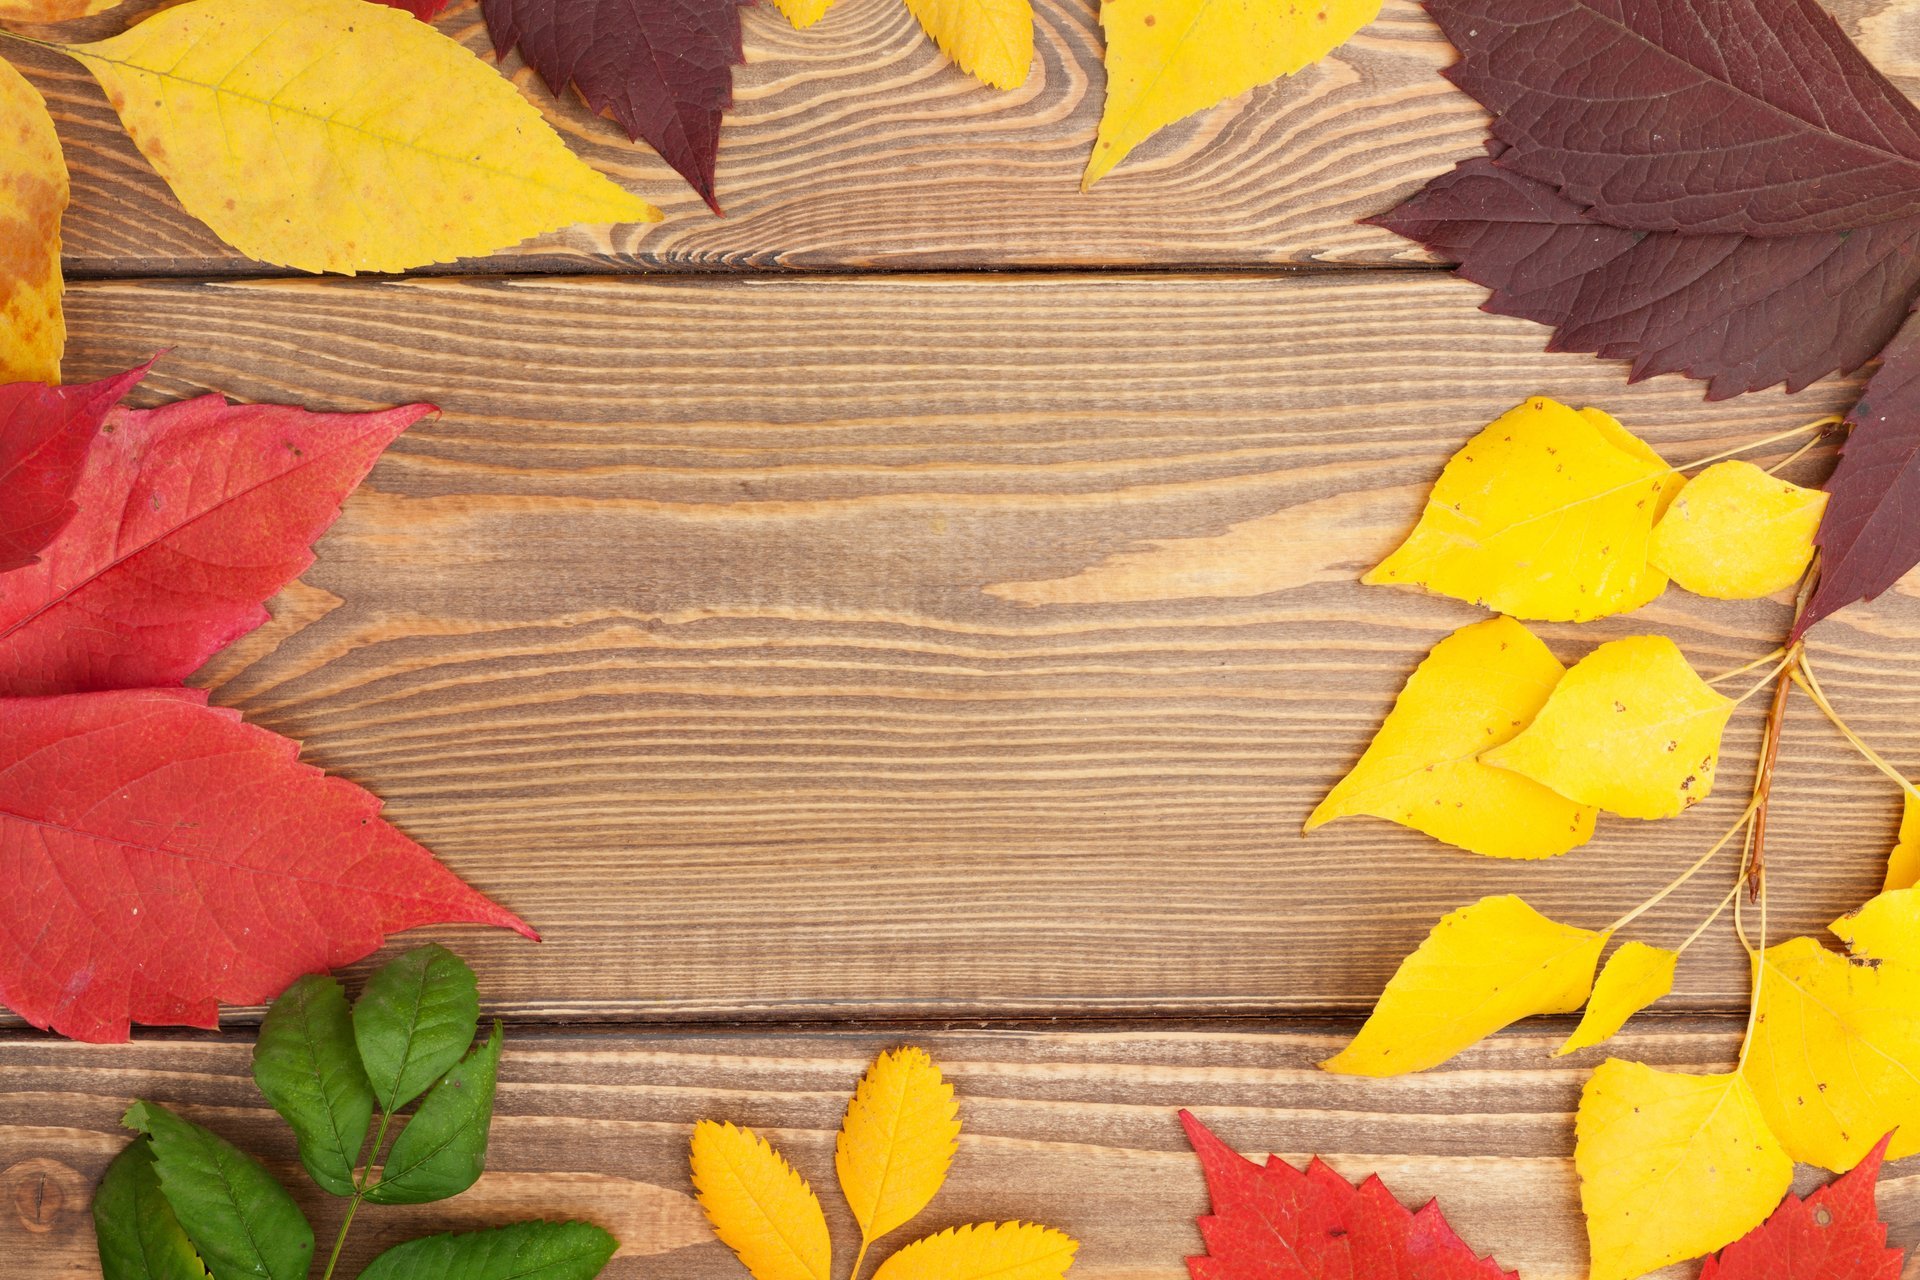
point(662, 68)
point(425, 10)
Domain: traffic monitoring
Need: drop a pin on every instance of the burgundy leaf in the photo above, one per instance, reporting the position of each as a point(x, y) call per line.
point(44, 435)
point(425, 10)
point(663, 69)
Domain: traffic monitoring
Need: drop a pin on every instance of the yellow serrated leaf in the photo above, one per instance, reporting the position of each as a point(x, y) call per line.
point(759, 1207)
point(33, 196)
point(1546, 514)
point(803, 13)
point(991, 40)
point(984, 1251)
point(1835, 1056)
point(1631, 728)
point(896, 1142)
point(1671, 1166)
point(1482, 968)
point(1167, 59)
point(1887, 928)
point(1634, 977)
point(337, 135)
point(1478, 688)
point(1903, 864)
point(1737, 533)
point(52, 10)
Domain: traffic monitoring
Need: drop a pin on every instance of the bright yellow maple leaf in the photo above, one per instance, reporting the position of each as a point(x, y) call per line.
point(1634, 977)
point(896, 1142)
point(33, 195)
point(759, 1207)
point(984, 1251)
point(1631, 728)
point(1167, 59)
point(1478, 688)
point(1671, 1166)
point(1737, 533)
point(1545, 514)
point(1903, 864)
point(1887, 928)
point(337, 135)
point(52, 10)
point(1482, 968)
point(991, 40)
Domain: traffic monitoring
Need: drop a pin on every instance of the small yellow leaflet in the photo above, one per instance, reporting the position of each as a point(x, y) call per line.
point(896, 1142)
point(33, 196)
point(1634, 977)
point(984, 1251)
point(991, 40)
point(759, 1207)
point(803, 13)
point(1903, 864)
point(1887, 928)
point(1737, 533)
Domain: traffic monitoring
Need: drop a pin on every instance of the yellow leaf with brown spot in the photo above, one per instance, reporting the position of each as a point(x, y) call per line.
point(1634, 977)
point(1737, 533)
point(990, 40)
point(33, 196)
point(759, 1207)
point(1886, 928)
point(896, 1142)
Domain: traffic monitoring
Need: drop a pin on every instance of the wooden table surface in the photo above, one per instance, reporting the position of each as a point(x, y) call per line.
point(922, 606)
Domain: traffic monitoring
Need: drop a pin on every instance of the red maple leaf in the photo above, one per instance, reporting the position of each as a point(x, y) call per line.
point(162, 856)
point(1835, 1235)
point(1277, 1223)
point(44, 435)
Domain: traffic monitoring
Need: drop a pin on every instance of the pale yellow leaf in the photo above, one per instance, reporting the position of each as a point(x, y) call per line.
point(337, 135)
point(1634, 977)
point(1167, 59)
point(1478, 688)
point(1737, 533)
point(1671, 1166)
point(33, 195)
point(803, 13)
point(759, 1207)
point(1631, 729)
point(52, 10)
point(991, 40)
point(896, 1142)
point(984, 1251)
point(1887, 928)
point(1482, 968)
point(1546, 514)
point(1903, 864)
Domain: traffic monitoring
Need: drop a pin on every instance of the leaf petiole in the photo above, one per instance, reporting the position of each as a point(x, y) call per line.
point(1674, 885)
point(1804, 677)
point(362, 1183)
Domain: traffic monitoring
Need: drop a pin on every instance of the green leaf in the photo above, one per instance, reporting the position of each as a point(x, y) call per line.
point(523, 1251)
point(306, 1064)
point(139, 1237)
point(414, 1021)
point(443, 1149)
point(242, 1222)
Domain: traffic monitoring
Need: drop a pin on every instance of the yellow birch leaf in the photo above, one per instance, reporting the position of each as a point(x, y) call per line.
point(759, 1207)
point(1546, 514)
point(1478, 688)
point(337, 135)
point(1649, 583)
point(33, 195)
point(1903, 865)
point(803, 13)
point(1671, 1166)
point(1631, 729)
point(984, 1251)
point(896, 1142)
point(990, 40)
point(1167, 59)
point(1887, 928)
point(52, 10)
point(1835, 1053)
point(1482, 968)
point(1737, 533)
point(1634, 977)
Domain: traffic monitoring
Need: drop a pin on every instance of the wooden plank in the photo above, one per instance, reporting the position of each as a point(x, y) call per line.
point(1074, 1129)
point(854, 145)
point(753, 639)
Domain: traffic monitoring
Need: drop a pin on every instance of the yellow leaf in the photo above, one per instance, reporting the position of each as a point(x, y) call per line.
point(1542, 515)
point(1835, 1057)
point(1887, 928)
point(1634, 977)
point(1482, 968)
point(1167, 59)
point(991, 40)
point(804, 13)
point(337, 135)
point(1631, 728)
point(1479, 687)
point(33, 195)
point(1671, 1166)
point(1903, 865)
point(759, 1207)
point(984, 1251)
point(897, 1141)
point(1737, 533)
point(52, 10)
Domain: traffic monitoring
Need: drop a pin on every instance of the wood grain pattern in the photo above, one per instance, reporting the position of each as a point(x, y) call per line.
point(855, 145)
point(687, 631)
point(1074, 1129)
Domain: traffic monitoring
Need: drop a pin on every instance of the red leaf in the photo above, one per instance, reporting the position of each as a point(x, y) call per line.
point(191, 517)
point(662, 68)
point(44, 434)
point(161, 856)
point(1277, 1223)
point(1836, 1235)
point(425, 10)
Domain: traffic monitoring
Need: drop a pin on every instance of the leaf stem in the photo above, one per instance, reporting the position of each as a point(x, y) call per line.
point(340, 1239)
point(1706, 924)
point(1700, 865)
point(860, 1259)
point(1805, 678)
point(44, 44)
point(1756, 862)
point(1780, 673)
point(362, 1183)
point(1755, 665)
point(1818, 424)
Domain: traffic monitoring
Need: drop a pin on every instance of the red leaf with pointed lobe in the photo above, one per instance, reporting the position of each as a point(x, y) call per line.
point(192, 516)
point(1834, 1235)
point(1277, 1223)
point(162, 857)
point(425, 10)
point(44, 435)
